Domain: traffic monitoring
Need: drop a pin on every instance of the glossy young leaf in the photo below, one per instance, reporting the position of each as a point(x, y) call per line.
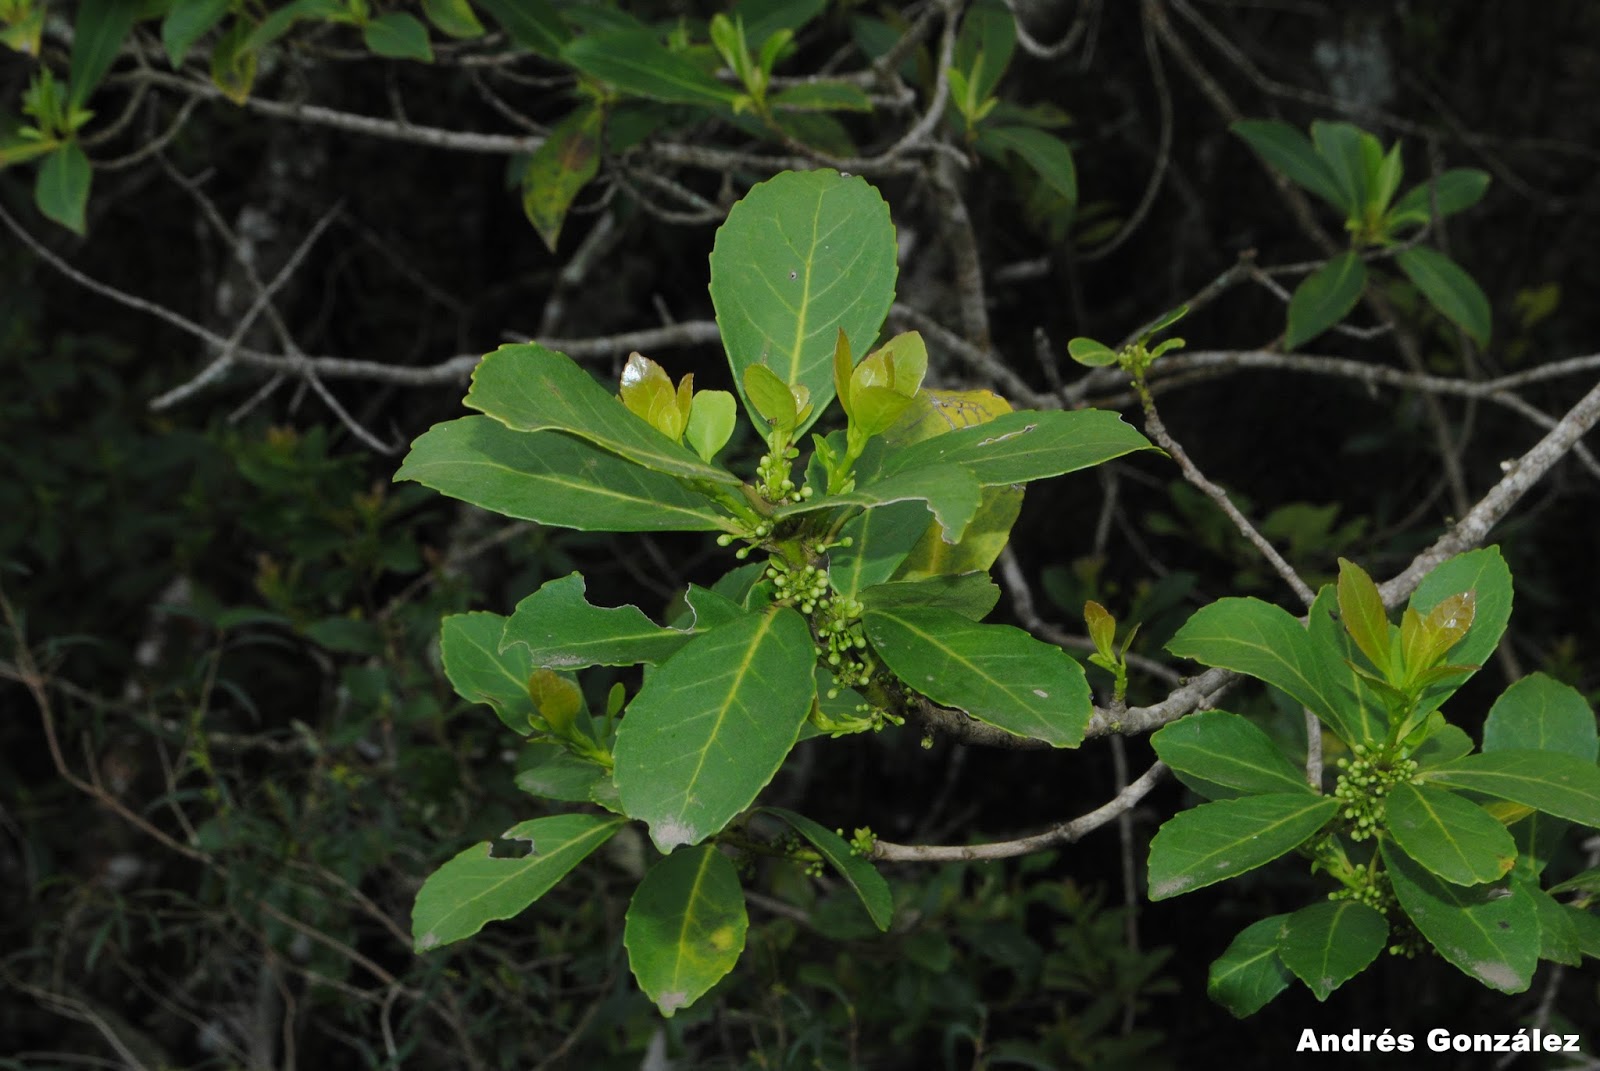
point(972, 595)
point(713, 724)
point(1328, 944)
point(1285, 148)
point(398, 35)
point(1217, 841)
point(475, 888)
point(1540, 713)
point(1255, 637)
point(1449, 289)
point(1362, 612)
point(1485, 574)
point(1215, 749)
point(186, 23)
point(862, 877)
point(480, 673)
point(686, 927)
point(1548, 781)
point(553, 478)
point(61, 189)
point(1452, 837)
point(774, 403)
point(1249, 974)
point(1454, 191)
point(951, 495)
point(557, 627)
point(636, 62)
point(559, 169)
point(800, 257)
point(712, 417)
point(998, 674)
point(1489, 935)
point(1090, 353)
point(1020, 447)
point(1325, 297)
point(530, 388)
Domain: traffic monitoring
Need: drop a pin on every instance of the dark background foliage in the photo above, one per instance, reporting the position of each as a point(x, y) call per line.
point(233, 613)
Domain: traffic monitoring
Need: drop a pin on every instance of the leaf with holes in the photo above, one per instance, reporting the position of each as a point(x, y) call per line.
point(475, 888)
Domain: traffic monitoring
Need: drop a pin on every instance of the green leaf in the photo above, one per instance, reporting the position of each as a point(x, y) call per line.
point(880, 539)
point(453, 17)
point(1489, 935)
point(1340, 144)
point(951, 493)
point(481, 673)
point(398, 36)
point(1483, 572)
point(552, 772)
point(1048, 156)
point(1254, 637)
point(1559, 941)
point(1325, 297)
point(1091, 353)
point(763, 18)
point(1362, 711)
point(1585, 929)
point(16, 150)
point(1215, 749)
point(559, 169)
point(800, 257)
point(557, 627)
point(712, 417)
point(531, 24)
point(186, 23)
point(972, 595)
point(1024, 446)
point(770, 396)
point(998, 674)
point(979, 546)
point(1249, 974)
point(1362, 612)
point(530, 388)
point(1449, 289)
point(1547, 781)
point(1285, 148)
point(862, 877)
point(61, 189)
point(636, 62)
point(1540, 713)
point(984, 46)
point(97, 35)
point(233, 62)
point(1457, 190)
point(1454, 838)
point(713, 724)
point(475, 888)
point(1328, 944)
point(1217, 841)
point(822, 97)
point(686, 927)
point(553, 478)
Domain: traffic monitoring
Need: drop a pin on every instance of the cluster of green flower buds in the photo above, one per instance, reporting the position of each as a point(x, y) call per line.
point(1363, 789)
point(756, 531)
point(774, 479)
point(1367, 885)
